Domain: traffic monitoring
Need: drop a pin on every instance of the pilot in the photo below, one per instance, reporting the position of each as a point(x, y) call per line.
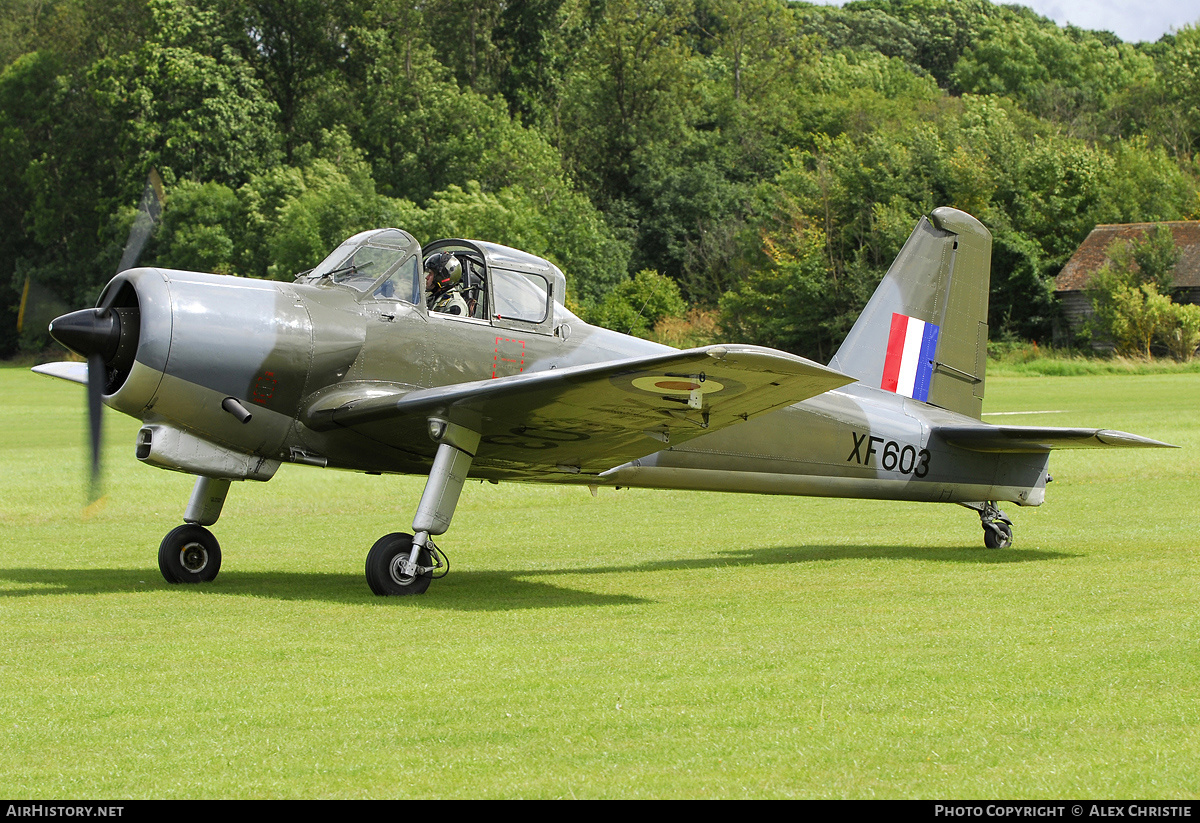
point(443, 282)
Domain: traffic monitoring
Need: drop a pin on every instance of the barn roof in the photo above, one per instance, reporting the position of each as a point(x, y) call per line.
point(1093, 253)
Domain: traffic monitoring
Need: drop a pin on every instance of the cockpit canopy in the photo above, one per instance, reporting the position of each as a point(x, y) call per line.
point(387, 259)
point(503, 258)
point(506, 284)
point(500, 284)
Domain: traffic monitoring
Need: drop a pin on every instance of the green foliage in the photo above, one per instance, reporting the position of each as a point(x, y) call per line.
point(639, 304)
point(868, 30)
point(940, 30)
point(1138, 315)
point(608, 136)
point(1029, 359)
point(1128, 294)
point(423, 133)
point(332, 205)
point(1180, 330)
point(1069, 76)
point(1153, 258)
point(186, 103)
point(1144, 183)
point(793, 303)
point(1179, 119)
point(56, 201)
point(675, 199)
point(567, 231)
point(635, 84)
point(298, 52)
point(699, 328)
point(288, 219)
point(1039, 192)
point(200, 229)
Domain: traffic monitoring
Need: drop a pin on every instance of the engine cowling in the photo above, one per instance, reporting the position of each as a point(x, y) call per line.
point(176, 345)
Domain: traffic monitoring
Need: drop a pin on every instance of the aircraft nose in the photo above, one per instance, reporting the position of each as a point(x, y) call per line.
point(88, 333)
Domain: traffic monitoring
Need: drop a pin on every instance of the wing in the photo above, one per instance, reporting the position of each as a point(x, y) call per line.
point(984, 438)
point(587, 418)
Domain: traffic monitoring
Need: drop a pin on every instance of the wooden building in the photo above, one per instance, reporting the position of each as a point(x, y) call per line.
point(1093, 253)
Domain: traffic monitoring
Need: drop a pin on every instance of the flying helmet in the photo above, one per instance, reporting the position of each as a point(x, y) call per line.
point(446, 270)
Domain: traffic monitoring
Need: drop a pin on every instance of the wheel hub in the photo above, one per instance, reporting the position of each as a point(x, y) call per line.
point(396, 569)
point(193, 557)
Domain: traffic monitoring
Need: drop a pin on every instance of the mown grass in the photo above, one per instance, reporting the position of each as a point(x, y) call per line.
point(1030, 359)
point(637, 644)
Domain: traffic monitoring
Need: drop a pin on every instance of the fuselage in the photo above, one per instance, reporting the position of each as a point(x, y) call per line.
point(287, 351)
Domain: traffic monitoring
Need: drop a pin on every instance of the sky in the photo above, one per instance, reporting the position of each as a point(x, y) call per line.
point(1131, 21)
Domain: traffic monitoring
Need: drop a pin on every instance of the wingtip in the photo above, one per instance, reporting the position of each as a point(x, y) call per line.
point(1111, 437)
point(69, 370)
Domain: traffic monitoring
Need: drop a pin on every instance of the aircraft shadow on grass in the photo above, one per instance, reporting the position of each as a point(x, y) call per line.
point(484, 590)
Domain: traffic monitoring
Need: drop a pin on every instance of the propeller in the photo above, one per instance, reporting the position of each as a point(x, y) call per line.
point(96, 333)
point(148, 215)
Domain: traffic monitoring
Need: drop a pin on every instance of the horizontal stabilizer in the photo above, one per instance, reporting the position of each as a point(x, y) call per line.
point(65, 370)
point(984, 438)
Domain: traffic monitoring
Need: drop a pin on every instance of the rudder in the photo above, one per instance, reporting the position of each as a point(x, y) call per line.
point(923, 333)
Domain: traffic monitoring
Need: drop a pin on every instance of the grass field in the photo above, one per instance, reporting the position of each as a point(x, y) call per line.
point(638, 644)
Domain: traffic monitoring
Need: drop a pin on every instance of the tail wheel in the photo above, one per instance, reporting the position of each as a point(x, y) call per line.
point(997, 535)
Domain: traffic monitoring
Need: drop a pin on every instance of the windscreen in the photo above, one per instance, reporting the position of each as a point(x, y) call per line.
point(386, 259)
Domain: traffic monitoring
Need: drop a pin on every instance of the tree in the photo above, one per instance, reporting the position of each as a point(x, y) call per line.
point(333, 204)
point(297, 50)
point(201, 229)
point(632, 86)
point(568, 231)
point(639, 304)
point(942, 29)
point(1128, 294)
point(1180, 331)
point(61, 187)
point(186, 103)
point(464, 40)
point(1138, 316)
point(1180, 71)
point(423, 133)
point(793, 303)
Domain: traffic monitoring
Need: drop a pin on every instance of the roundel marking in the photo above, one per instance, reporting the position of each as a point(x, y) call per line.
point(667, 384)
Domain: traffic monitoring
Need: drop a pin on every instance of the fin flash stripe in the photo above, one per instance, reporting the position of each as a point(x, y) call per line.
point(908, 367)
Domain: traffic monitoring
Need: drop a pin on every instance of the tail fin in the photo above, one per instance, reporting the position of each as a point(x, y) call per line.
point(924, 332)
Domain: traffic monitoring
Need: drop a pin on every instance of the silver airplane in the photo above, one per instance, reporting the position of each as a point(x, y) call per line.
point(348, 367)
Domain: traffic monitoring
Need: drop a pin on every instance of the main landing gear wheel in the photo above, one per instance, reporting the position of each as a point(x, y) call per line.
point(189, 554)
point(384, 561)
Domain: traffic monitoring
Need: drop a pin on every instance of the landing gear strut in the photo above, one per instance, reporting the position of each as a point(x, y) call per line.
point(403, 564)
point(189, 553)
